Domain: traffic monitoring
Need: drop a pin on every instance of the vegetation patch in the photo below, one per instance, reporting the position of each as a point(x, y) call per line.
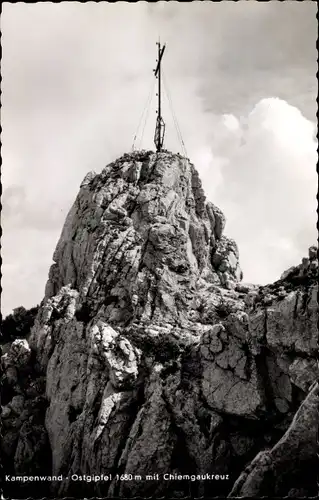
point(18, 324)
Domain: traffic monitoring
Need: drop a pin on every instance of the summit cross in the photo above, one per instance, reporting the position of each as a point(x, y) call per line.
point(160, 125)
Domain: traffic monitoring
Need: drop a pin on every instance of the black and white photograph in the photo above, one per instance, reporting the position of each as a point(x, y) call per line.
point(159, 248)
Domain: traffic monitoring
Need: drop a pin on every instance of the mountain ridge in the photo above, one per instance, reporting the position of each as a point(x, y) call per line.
point(150, 356)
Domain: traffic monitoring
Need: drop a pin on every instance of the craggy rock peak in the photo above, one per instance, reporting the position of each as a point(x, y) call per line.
point(139, 236)
point(150, 356)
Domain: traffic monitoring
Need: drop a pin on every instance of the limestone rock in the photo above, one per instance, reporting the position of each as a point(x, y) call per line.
point(290, 462)
point(313, 253)
point(19, 354)
point(149, 356)
point(24, 444)
point(293, 270)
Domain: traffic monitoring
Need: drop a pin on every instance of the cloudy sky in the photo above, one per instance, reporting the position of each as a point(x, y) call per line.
point(242, 78)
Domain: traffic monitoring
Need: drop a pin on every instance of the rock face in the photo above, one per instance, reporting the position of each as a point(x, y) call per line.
point(160, 373)
point(271, 471)
point(25, 447)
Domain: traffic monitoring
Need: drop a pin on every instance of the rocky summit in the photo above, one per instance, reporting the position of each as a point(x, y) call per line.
point(152, 369)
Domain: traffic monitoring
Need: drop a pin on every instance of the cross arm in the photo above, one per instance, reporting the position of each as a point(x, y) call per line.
point(159, 60)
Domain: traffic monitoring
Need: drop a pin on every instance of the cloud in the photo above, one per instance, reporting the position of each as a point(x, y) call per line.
point(26, 255)
point(75, 77)
point(267, 186)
